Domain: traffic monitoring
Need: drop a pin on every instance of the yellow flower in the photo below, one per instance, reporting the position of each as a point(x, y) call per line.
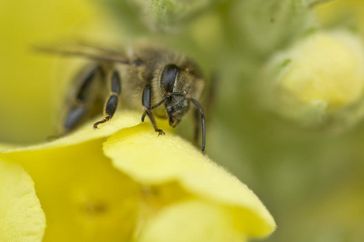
point(320, 78)
point(124, 183)
point(21, 217)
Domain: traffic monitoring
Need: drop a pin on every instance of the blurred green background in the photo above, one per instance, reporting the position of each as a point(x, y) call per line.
point(310, 178)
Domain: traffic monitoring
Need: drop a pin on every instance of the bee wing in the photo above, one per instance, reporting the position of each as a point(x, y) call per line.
point(85, 50)
point(97, 47)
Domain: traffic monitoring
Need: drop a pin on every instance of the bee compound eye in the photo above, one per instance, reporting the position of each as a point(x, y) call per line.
point(169, 76)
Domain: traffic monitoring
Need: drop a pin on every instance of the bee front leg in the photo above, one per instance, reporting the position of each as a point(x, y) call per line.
point(147, 103)
point(197, 127)
point(200, 124)
point(112, 102)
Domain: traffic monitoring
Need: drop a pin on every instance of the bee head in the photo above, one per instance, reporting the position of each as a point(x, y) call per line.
point(176, 87)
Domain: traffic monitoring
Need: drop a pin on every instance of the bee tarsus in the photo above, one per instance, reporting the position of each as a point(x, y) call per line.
point(104, 120)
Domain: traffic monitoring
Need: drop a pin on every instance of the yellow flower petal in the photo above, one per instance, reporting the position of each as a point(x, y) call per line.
point(124, 119)
point(83, 196)
point(21, 216)
point(199, 221)
point(150, 160)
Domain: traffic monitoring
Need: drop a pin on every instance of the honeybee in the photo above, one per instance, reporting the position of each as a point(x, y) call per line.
point(154, 80)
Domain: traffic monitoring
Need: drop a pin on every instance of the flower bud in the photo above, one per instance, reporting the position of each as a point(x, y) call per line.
point(162, 14)
point(265, 25)
point(320, 79)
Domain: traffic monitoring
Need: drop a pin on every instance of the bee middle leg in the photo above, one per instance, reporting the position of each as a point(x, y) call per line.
point(147, 103)
point(113, 99)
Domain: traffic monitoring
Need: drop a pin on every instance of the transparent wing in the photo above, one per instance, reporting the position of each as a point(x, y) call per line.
point(82, 49)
